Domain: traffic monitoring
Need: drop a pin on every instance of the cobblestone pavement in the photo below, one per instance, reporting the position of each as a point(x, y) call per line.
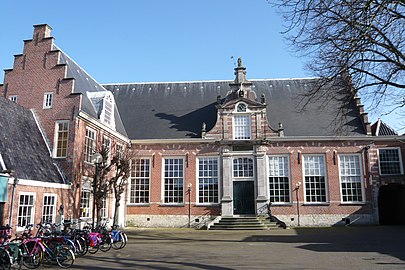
point(379, 247)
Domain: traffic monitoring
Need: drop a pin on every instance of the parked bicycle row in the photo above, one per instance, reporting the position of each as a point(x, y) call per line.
point(50, 246)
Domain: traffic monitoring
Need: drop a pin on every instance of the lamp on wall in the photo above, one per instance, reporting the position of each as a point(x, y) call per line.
point(297, 187)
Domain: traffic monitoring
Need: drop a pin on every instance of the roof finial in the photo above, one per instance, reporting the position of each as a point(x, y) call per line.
point(240, 62)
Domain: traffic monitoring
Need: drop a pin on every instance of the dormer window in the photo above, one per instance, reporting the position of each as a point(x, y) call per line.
point(241, 123)
point(108, 109)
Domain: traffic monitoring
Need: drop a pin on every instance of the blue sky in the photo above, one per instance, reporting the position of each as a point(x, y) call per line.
point(158, 40)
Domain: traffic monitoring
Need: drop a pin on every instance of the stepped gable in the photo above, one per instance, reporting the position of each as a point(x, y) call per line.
point(177, 110)
point(22, 146)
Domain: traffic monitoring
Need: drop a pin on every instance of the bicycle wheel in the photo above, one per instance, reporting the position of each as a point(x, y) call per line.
point(34, 256)
point(118, 240)
point(125, 239)
point(65, 257)
point(5, 260)
point(83, 246)
point(106, 242)
point(94, 247)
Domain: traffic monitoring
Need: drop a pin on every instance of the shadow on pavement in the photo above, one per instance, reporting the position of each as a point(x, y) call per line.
point(388, 240)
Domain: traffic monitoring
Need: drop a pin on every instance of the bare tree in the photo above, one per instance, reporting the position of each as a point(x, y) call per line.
point(112, 178)
point(362, 39)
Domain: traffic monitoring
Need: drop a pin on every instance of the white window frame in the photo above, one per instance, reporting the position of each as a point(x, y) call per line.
point(46, 212)
point(242, 132)
point(134, 181)
point(401, 169)
point(277, 174)
point(86, 187)
point(13, 98)
point(90, 150)
point(48, 100)
point(181, 193)
point(107, 147)
point(351, 174)
point(324, 175)
point(119, 150)
point(104, 206)
point(244, 176)
point(58, 139)
point(215, 200)
point(31, 215)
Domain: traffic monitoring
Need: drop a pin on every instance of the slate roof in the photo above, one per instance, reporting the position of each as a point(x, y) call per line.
point(85, 83)
point(380, 128)
point(176, 110)
point(22, 146)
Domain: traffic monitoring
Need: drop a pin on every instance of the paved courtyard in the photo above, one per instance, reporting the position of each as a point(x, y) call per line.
point(379, 247)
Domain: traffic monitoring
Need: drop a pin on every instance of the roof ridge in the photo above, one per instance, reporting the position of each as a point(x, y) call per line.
point(203, 81)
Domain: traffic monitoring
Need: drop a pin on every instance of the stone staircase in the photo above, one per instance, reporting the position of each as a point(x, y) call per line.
point(244, 223)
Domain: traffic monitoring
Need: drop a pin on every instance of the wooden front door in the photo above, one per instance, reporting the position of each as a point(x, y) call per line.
point(243, 198)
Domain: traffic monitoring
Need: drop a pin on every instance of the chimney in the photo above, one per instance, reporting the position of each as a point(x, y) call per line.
point(41, 31)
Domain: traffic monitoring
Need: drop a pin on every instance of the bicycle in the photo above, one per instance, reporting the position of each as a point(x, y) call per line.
point(119, 238)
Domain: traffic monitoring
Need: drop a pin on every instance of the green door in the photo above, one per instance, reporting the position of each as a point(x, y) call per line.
point(243, 198)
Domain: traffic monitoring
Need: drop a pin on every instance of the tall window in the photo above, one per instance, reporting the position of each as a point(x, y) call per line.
point(89, 144)
point(174, 180)
point(107, 148)
point(314, 178)
point(208, 180)
point(13, 98)
point(351, 178)
point(26, 209)
point(48, 99)
point(61, 139)
point(104, 206)
point(241, 127)
point(243, 167)
point(49, 208)
point(279, 182)
point(119, 150)
point(85, 204)
point(390, 161)
point(140, 179)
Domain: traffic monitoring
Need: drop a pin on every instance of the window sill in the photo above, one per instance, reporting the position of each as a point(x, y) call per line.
point(139, 204)
point(352, 203)
point(281, 204)
point(172, 205)
point(316, 204)
point(207, 205)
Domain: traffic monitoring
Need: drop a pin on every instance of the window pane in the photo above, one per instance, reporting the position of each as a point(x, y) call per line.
point(279, 183)
point(390, 162)
point(208, 180)
point(350, 178)
point(173, 187)
point(242, 127)
point(314, 178)
point(140, 179)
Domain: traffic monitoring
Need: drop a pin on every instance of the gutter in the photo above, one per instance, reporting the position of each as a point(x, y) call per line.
point(274, 139)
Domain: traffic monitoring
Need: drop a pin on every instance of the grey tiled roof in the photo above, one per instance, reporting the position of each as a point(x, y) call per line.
point(380, 128)
point(85, 83)
point(169, 110)
point(22, 146)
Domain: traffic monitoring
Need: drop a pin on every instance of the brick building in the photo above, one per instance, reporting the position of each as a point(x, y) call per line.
point(210, 149)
